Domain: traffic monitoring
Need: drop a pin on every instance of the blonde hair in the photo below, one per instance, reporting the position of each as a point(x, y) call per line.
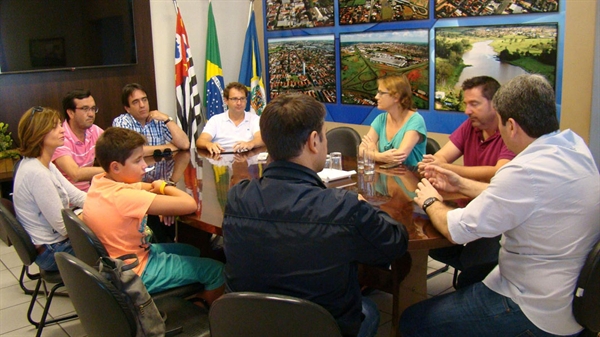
point(399, 87)
point(34, 125)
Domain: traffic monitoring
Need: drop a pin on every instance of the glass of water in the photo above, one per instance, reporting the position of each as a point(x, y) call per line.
point(327, 162)
point(369, 161)
point(336, 160)
point(360, 163)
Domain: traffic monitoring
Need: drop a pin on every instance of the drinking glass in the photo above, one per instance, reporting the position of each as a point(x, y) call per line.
point(327, 162)
point(336, 160)
point(360, 163)
point(369, 161)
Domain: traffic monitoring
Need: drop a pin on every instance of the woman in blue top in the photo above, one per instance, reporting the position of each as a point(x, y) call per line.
point(399, 135)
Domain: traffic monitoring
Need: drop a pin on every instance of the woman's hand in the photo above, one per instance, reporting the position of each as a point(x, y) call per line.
point(392, 156)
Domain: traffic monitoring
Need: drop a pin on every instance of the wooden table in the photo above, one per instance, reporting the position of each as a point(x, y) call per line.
point(390, 190)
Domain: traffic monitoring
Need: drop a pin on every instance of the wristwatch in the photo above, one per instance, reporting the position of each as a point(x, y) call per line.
point(428, 202)
point(168, 120)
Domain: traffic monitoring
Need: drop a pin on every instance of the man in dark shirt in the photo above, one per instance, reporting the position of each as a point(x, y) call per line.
point(286, 233)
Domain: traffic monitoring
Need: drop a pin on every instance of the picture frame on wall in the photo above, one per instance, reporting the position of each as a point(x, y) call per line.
point(374, 11)
point(461, 8)
point(365, 57)
point(47, 52)
point(502, 52)
point(294, 14)
point(303, 64)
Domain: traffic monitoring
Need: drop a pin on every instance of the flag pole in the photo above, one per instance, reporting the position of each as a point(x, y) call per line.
point(176, 7)
point(249, 11)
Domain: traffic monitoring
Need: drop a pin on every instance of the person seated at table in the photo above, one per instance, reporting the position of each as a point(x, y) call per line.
point(40, 189)
point(545, 203)
point(399, 134)
point(116, 210)
point(235, 129)
point(478, 140)
point(286, 233)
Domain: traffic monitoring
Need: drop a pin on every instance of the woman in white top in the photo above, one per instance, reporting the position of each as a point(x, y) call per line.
point(40, 190)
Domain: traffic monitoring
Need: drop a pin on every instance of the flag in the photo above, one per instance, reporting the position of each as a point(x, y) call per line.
point(186, 86)
point(213, 95)
point(251, 69)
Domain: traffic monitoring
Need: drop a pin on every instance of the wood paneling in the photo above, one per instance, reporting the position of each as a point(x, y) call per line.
point(19, 92)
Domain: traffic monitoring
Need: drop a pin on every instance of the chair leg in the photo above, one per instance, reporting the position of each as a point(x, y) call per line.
point(438, 271)
point(43, 322)
point(25, 271)
point(455, 278)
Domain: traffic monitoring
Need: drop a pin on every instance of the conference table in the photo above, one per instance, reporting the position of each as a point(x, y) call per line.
point(208, 179)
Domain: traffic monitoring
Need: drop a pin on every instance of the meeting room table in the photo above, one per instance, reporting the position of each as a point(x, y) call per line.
point(208, 179)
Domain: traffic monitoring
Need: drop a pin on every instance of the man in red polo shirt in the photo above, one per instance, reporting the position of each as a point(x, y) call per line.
point(478, 140)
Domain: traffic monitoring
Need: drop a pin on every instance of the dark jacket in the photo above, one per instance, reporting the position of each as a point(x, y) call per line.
point(286, 233)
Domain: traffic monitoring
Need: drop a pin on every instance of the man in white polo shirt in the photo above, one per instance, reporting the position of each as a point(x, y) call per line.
point(75, 159)
point(234, 130)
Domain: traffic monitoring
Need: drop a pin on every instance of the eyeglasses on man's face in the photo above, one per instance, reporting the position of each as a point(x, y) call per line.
point(380, 93)
point(238, 99)
point(88, 109)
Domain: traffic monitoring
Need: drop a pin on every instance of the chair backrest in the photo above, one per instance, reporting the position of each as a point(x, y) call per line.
point(586, 302)
point(102, 309)
point(9, 206)
point(432, 146)
point(256, 314)
point(85, 243)
point(343, 139)
point(18, 236)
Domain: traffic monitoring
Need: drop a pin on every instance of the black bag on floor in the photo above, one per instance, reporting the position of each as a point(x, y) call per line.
point(148, 319)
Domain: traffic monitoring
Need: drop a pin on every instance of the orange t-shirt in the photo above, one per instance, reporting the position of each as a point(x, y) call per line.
point(116, 212)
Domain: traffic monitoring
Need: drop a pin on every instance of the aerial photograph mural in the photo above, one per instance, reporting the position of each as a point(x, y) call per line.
point(501, 52)
point(373, 11)
point(368, 56)
point(461, 8)
point(303, 64)
point(292, 14)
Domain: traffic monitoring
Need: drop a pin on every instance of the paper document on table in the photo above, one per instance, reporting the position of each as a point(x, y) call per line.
point(328, 174)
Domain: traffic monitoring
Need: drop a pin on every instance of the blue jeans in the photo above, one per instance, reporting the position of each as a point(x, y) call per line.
point(472, 311)
point(370, 324)
point(46, 259)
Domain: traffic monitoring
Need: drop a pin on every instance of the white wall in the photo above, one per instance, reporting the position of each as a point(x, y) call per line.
point(231, 18)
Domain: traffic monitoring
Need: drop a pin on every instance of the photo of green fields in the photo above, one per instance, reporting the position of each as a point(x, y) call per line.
point(501, 52)
point(368, 56)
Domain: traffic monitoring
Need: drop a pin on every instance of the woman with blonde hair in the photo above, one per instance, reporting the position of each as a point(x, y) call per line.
point(399, 135)
point(40, 190)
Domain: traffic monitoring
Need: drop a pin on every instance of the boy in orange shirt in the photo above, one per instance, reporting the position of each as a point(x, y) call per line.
point(116, 210)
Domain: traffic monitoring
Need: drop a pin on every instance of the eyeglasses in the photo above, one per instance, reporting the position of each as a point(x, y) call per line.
point(36, 109)
point(238, 99)
point(379, 92)
point(87, 109)
point(165, 153)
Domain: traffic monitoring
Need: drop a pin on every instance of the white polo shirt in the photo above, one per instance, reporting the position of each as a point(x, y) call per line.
point(226, 133)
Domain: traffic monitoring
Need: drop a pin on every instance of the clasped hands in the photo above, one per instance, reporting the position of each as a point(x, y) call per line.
point(389, 156)
point(436, 179)
point(156, 189)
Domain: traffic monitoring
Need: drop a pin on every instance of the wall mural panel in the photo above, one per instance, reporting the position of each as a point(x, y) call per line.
point(335, 50)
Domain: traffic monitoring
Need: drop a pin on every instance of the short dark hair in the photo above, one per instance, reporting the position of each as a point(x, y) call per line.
point(234, 85)
point(117, 144)
point(68, 102)
point(128, 89)
point(488, 85)
point(287, 122)
point(34, 125)
point(529, 100)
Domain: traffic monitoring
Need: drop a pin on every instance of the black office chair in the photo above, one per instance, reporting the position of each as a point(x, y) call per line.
point(432, 146)
point(255, 314)
point(586, 302)
point(89, 249)
point(103, 309)
point(28, 253)
point(344, 140)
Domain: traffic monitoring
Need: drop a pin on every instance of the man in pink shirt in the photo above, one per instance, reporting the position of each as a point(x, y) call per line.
point(478, 141)
point(75, 159)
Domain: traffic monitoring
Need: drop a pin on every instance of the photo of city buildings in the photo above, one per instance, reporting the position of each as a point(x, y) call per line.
point(368, 56)
point(291, 14)
point(372, 11)
point(501, 52)
point(460, 8)
point(303, 64)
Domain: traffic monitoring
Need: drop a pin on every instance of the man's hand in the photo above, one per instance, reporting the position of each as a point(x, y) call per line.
point(361, 198)
point(428, 159)
point(424, 191)
point(157, 116)
point(214, 148)
point(243, 146)
point(442, 179)
point(168, 220)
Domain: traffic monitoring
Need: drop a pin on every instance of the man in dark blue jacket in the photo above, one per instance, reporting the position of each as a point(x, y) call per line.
point(286, 233)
